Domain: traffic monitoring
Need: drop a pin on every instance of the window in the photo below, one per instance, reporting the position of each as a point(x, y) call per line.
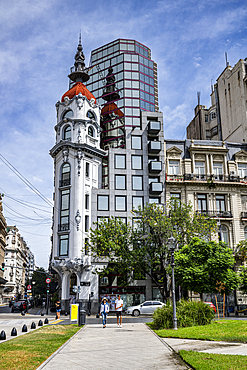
point(206, 118)
point(176, 195)
point(87, 169)
point(67, 133)
point(64, 245)
point(87, 201)
point(137, 202)
point(64, 210)
point(103, 203)
point(136, 162)
point(173, 167)
point(90, 131)
point(202, 202)
point(86, 223)
point(91, 115)
point(123, 219)
point(136, 182)
point(220, 203)
point(175, 199)
point(199, 168)
point(65, 178)
point(242, 170)
point(218, 168)
point(120, 203)
point(136, 142)
point(244, 203)
point(67, 114)
point(224, 234)
point(245, 232)
point(120, 182)
point(120, 161)
point(154, 200)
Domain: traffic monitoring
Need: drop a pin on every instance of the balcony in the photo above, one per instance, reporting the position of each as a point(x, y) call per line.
point(220, 214)
point(63, 227)
point(154, 127)
point(155, 166)
point(155, 188)
point(154, 147)
point(65, 182)
point(210, 179)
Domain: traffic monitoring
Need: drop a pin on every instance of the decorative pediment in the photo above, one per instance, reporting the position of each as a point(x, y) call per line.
point(218, 158)
point(174, 152)
point(241, 156)
point(200, 157)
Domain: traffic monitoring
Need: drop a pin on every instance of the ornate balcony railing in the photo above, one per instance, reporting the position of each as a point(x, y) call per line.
point(63, 227)
point(211, 179)
point(220, 214)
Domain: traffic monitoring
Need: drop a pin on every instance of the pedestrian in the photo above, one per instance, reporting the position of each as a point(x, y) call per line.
point(58, 309)
point(119, 309)
point(104, 309)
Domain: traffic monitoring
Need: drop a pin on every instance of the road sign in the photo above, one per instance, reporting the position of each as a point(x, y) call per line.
point(29, 291)
point(48, 280)
point(85, 283)
point(29, 287)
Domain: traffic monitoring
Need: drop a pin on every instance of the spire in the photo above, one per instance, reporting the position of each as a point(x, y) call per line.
point(79, 73)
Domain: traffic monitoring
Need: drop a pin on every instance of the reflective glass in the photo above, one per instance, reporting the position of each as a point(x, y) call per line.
point(136, 162)
point(120, 182)
point(119, 161)
point(120, 203)
point(103, 203)
point(136, 142)
point(137, 202)
point(136, 182)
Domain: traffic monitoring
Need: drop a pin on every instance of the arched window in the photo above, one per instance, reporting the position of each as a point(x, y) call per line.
point(245, 232)
point(65, 176)
point(224, 234)
point(90, 131)
point(67, 114)
point(91, 115)
point(67, 133)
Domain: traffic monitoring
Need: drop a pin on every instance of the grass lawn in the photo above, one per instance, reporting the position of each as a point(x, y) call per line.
point(205, 361)
point(224, 330)
point(28, 351)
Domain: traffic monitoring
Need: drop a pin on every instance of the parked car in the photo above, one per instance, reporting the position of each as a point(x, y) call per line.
point(211, 305)
point(19, 306)
point(145, 308)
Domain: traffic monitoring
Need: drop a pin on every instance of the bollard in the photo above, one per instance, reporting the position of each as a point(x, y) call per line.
point(42, 314)
point(22, 313)
point(40, 323)
point(33, 326)
point(2, 335)
point(13, 332)
point(24, 328)
point(46, 321)
point(65, 313)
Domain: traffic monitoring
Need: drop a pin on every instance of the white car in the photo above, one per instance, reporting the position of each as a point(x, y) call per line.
point(145, 308)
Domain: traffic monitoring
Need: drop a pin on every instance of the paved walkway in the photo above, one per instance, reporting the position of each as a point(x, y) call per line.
point(132, 347)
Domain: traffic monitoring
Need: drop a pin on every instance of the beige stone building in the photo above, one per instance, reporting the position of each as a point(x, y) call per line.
point(3, 233)
point(226, 119)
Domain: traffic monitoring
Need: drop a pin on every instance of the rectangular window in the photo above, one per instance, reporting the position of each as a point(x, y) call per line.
point(218, 168)
point(87, 201)
point(173, 167)
point(64, 211)
point(154, 200)
point(199, 168)
point(86, 223)
point(136, 162)
point(103, 203)
point(244, 203)
point(120, 161)
point(242, 170)
point(123, 219)
point(120, 203)
point(202, 202)
point(136, 182)
point(220, 203)
point(120, 182)
point(137, 202)
point(87, 169)
point(63, 245)
point(136, 142)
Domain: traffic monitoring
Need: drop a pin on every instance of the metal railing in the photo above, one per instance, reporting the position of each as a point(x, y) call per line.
point(207, 178)
point(64, 183)
point(220, 214)
point(63, 227)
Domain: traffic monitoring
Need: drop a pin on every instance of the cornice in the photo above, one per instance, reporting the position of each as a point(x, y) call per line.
point(83, 147)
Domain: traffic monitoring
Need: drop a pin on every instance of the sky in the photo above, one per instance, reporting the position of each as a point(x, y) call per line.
point(38, 41)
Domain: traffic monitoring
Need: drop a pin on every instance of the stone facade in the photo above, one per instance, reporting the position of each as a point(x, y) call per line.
point(3, 233)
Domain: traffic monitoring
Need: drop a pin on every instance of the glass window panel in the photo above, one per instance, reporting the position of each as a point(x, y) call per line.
point(242, 170)
point(63, 245)
point(154, 200)
point(131, 47)
point(136, 142)
point(202, 202)
point(128, 120)
point(128, 102)
point(136, 162)
point(103, 203)
point(135, 84)
point(136, 121)
point(120, 182)
point(245, 232)
point(128, 111)
point(218, 168)
point(135, 93)
point(173, 167)
point(200, 168)
point(127, 75)
point(134, 66)
point(136, 112)
point(220, 203)
point(127, 66)
point(137, 202)
point(127, 93)
point(224, 234)
point(244, 203)
point(127, 84)
point(134, 58)
point(135, 102)
point(120, 203)
point(135, 75)
point(136, 182)
point(120, 161)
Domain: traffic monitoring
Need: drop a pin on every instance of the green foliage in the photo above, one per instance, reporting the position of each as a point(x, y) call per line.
point(189, 313)
point(206, 267)
point(243, 277)
point(241, 249)
point(40, 284)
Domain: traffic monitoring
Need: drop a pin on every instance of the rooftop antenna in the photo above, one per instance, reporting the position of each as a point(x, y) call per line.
point(198, 97)
point(212, 88)
point(227, 63)
point(80, 38)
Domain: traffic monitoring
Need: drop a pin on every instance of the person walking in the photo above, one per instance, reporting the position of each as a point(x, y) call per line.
point(119, 309)
point(58, 309)
point(104, 309)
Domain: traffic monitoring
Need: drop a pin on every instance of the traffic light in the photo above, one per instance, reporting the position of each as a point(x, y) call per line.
point(3, 265)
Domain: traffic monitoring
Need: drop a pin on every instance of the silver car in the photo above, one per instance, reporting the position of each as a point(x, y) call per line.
point(145, 308)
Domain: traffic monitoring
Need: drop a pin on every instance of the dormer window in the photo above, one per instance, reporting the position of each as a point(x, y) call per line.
point(67, 133)
point(90, 131)
point(173, 167)
point(67, 114)
point(242, 170)
point(91, 115)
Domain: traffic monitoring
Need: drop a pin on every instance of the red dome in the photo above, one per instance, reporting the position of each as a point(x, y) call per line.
point(109, 107)
point(79, 88)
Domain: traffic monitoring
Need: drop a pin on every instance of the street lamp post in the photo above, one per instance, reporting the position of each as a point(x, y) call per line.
point(172, 246)
point(33, 283)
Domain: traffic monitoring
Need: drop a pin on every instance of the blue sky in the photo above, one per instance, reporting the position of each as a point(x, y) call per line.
point(38, 40)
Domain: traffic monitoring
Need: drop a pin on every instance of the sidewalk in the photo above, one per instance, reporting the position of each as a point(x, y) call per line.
point(132, 347)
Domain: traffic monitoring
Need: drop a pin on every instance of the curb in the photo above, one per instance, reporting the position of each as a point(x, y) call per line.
point(58, 350)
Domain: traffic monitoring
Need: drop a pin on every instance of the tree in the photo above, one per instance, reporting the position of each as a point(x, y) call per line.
point(141, 250)
point(243, 277)
point(39, 276)
point(205, 267)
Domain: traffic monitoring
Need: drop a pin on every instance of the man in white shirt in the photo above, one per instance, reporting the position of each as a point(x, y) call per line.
point(119, 309)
